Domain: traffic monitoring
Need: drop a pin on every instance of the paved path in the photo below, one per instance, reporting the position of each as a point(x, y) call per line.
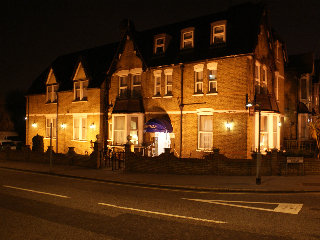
point(198, 182)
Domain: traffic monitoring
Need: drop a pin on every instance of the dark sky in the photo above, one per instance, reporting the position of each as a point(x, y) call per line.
point(33, 33)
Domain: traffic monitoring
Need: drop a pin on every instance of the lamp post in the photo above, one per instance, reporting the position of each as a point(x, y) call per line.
point(258, 174)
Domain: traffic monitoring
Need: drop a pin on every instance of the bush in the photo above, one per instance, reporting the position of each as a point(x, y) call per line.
point(37, 143)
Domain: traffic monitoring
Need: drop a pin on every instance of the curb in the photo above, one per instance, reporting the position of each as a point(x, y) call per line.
point(166, 187)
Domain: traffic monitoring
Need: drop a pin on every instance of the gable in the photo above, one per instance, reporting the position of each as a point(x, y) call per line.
point(80, 73)
point(51, 78)
point(128, 59)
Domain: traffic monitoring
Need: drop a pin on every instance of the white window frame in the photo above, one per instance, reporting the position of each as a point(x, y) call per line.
point(168, 74)
point(135, 85)
point(157, 82)
point(223, 34)
point(80, 118)
point(184, 41)
point(52, 97)
point(198, 71)
point(162, 45)
point(82, 90)
point(52, 120)
point(213, 66)
point(276, 85)
point(127, 118)
point(257, 75)
point(124, 87)
point(200, 114)
point(265, 75)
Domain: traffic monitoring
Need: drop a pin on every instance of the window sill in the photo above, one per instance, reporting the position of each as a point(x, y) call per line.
point(76, 101)
point(197, 94)
point(155, 97)
point(204, 150)
point(48, 138)
point(212, 93)
point(167, 96)
point(75, 140)
point(55, 102)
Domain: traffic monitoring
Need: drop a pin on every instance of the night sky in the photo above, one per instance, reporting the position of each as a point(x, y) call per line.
point(34, 33)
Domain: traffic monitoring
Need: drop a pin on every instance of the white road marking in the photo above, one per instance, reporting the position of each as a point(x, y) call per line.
point(289, 208)
point(163, 214)
point(34, 191)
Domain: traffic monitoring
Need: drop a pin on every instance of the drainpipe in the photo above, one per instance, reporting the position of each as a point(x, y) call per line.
point(181, 108)
point(57, 124)
point(28, 121)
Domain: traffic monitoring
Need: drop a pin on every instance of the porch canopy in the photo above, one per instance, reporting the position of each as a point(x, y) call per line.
point(158, 125)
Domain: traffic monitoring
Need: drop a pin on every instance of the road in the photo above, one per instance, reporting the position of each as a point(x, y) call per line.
point(38, 206)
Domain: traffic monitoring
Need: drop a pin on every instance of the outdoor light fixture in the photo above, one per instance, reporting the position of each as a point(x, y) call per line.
point(249, 104)
point(25, 118)
point(229, 125)
point(279, 124)
point(92, 126)
point(63, 125)
point(34, 125)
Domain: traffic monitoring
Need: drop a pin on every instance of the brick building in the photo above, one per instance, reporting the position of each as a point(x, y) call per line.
point(301, 99)
point(184, 86)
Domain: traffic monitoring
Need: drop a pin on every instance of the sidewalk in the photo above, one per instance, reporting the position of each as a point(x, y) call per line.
point(283, 184)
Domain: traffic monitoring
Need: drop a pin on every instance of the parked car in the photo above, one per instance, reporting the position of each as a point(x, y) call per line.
point(9, 139)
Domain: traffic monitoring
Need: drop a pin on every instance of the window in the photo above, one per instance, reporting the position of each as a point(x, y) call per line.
point(198, 78)
point(187, 38)
point(136, 85)
point(275, 131)
point(159, 44)
point(303, 123)
point(52, 93)
point(79, 128)
point(257, 76)
point(123, 86)
point(303, 88)
point(264, 75)
point(168, 80)
point(119, 136)
point(264, 133)
point(205, 132)
point(51, 122)
point(127, 124)
point(276, 85)
point(218, 33)
point(212, 77)
point(157, 82)
point(80, 90)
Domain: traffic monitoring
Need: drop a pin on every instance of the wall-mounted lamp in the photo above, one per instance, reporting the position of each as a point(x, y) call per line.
point(279, 124)
point(25, 118)
point(92, 126)
point(63, 125)
point(34, 125)
point(229, 125)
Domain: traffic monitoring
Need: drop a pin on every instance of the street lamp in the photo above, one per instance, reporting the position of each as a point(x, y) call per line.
point(258, 174)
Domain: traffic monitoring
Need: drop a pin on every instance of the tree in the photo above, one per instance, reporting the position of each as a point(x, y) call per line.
point(314, 127)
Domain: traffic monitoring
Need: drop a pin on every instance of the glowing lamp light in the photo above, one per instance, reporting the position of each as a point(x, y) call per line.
point(34, 125)
point(92, 126)
point(25, 118)
point(63, 125)
point(279, 124)
point(249, 104)
point(228, 125)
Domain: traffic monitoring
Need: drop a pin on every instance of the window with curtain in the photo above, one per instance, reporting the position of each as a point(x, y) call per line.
point(119, 135)
point(50, 121)
point(205, 132)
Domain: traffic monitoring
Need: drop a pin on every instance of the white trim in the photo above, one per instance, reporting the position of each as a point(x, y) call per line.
point(168, 71)
point(212, 66)
point(198, 95)
point(198, 67)
point(208, 94)
point(157, 73)
point(122, 73)
point(136, 71)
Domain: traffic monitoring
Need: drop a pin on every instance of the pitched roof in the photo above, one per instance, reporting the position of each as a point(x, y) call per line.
point(242, 29)
point(96, 62)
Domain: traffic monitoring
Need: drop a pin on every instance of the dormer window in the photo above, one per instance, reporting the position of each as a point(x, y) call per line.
point(51, 88)
point(218, 32)
point(80, 84)
point(187, 38)
point(159, 44)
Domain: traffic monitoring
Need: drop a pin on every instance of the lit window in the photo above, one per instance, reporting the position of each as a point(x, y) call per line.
point(51, 122)
point(119, 136)
point(157, 82)
point(205, 132)
point(187, 38)
point(134, 130)
point(168, 82)
point(159, 44)
point(264, 133)
point(275, 131)
point(79, 128)
point(198, 78)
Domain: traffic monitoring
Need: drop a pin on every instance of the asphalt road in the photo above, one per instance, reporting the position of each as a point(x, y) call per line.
point(36, 206)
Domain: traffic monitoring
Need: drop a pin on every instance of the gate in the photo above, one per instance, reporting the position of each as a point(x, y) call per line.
point(114, 159)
